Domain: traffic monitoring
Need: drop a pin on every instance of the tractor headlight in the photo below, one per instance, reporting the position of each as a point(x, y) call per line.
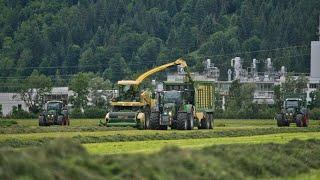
point(287, 114)
point(170, 113)
point(290, 114)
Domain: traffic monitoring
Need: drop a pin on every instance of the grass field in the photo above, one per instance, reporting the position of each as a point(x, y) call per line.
point(24, 135)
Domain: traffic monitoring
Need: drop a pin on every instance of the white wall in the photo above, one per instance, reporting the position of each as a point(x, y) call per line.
point(8, 100)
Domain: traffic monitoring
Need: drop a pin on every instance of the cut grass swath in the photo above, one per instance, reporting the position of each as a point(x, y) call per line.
point(151, 146)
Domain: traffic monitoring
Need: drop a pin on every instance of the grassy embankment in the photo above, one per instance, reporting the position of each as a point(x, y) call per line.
point(65, 159)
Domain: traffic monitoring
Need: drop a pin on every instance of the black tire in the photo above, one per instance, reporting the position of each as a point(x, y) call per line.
point(299, 119)
point(205, 122)
point(60, 120)
point(155, 122)
point(280, 120)
point(182, 121)
point(305, 121)
point(146, 120)
point(41, 121)
point(190, 123)
point(211, 122)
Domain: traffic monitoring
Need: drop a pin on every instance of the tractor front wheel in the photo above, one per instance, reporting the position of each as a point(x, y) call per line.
point(42, 121)
point(280, 120)
point(155, 122)
point(182, 121)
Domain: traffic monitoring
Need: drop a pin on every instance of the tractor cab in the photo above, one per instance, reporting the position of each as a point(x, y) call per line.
point(169, 100)
point(54, 107)
point(293, 105)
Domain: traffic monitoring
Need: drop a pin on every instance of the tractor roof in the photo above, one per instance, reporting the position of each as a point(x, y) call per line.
point(55, 102)
point(293, 99)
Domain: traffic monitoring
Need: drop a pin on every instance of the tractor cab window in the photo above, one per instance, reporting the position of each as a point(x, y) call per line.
point(54, 106)
point(292, 104)
point(172, 97)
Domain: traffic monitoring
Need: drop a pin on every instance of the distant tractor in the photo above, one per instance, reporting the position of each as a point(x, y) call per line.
point(183, 106)
point(293, 111)
point(55, 113)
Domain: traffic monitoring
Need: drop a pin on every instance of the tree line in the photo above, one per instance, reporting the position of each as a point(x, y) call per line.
point(118, 39)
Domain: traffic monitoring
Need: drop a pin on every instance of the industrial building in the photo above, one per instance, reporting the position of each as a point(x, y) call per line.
point(264, 81)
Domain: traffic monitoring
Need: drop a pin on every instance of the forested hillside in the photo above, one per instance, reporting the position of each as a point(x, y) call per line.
point(120, 38)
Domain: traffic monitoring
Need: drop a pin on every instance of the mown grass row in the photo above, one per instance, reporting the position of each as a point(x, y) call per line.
point(156, 145)
point(91, 125)
point(65, 159)
point(7, 123)
point(35, 139)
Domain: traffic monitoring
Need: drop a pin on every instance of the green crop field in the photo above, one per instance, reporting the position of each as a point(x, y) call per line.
point(25, 136)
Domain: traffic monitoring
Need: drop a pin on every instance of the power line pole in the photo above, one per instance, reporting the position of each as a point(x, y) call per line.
point(319, 28)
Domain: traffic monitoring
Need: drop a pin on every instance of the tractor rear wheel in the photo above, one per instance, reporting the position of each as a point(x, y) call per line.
point(305, 121)
point(182, 121)
point(299, 119)
point(190, 121)
point(155, 122)
point(60, 120)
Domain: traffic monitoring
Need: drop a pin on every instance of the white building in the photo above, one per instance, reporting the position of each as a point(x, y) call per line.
point(10, 100)
point(314, 79)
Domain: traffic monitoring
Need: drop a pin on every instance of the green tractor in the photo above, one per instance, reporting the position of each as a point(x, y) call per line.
point(55, 113)
point(165, 111)
point(294, 111)
point(184, 106)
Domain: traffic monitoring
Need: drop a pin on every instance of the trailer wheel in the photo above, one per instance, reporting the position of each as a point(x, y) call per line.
point(211, 123)
point(205, 124)
point(299, 119)
point(155, 122)
point(182, 119)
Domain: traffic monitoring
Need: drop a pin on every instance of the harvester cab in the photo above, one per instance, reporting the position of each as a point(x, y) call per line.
point(293, 111)
point(55, 113)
